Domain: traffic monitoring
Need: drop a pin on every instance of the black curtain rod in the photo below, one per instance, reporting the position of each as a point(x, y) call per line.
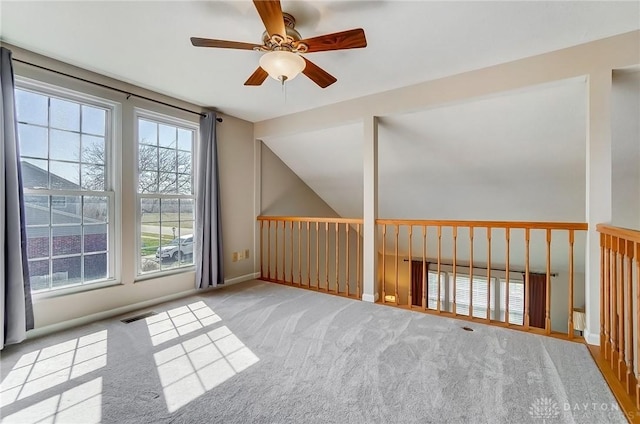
point(553, 274)
point(113, 88)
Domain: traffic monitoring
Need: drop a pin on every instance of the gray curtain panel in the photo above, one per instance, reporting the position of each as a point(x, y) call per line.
point(15, 290)
point(209, 263)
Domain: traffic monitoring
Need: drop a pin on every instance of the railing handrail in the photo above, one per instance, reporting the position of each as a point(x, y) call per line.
point(487, 224)
point(625, 233)
point(310, 219)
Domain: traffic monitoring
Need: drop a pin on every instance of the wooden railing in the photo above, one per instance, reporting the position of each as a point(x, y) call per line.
point(490, 248)
point(316, 253)
point(619, 329)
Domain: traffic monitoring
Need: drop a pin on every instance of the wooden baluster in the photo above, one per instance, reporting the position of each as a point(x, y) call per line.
point(318, 255)
point(602, 273)
point(269, 249)
point(607, 298)
point(547, 307)
point(397, 230)
point(614, 309)
point(507, 236)
point(358, 260)
point(527, 238)
point(637, 257)
point(425, 271)
point(455, 269)
point(326, 255)
point(629, 308)
point(284, 251)
point(620, 307)
point(276, 249)
point(489, 274)
point(347, 230)
point(337, 258)
point(299, 252)
point(308, 254)
point(291, 250)
point(261, 250)
point(471, 234)
point(570, 323)
point(438, 305)
point(384, 261)
point(410, 303)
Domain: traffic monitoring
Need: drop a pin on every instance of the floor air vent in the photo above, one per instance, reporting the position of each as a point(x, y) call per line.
point(139, 317)
point(467, 328)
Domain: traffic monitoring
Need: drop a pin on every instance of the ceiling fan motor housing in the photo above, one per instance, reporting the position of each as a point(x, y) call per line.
point(274, 43)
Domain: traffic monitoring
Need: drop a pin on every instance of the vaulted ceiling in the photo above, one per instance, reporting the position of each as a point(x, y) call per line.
point(147, 43)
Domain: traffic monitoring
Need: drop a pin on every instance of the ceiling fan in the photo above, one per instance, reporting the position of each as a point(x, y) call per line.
point(283, 47)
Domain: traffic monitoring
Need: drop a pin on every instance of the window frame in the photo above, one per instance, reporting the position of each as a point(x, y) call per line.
point(111, 191)
point(160, 118)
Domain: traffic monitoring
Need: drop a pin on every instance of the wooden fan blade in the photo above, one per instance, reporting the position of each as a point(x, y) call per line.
point(318, 75)
point(270, 12)
point(258, 77)
point(207, 42)
point(351, 39)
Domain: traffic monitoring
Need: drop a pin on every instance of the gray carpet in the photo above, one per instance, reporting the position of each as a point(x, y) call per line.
point(263, 353)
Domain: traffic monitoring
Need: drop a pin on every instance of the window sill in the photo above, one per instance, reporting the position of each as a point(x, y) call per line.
point(65, 291)
point(161, 274)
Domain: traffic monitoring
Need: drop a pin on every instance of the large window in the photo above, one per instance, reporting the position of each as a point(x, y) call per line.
point(516, 301)
point(464, 295)
point(165, 192)
point(65, 142)
point(481, 292)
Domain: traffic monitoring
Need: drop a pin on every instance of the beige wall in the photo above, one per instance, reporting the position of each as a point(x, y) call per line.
point(235, 147)
point(625, 146)
point(283, 193)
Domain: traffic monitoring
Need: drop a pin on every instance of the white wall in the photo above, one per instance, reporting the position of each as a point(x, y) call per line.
point(625, 154)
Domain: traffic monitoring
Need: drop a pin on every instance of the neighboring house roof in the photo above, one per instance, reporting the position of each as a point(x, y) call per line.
point(35, 177)
point(68, 211)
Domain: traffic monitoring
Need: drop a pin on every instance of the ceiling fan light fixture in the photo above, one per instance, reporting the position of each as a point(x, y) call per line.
point(282, 65)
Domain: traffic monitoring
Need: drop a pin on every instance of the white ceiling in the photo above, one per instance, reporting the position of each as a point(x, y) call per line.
point(147, 43)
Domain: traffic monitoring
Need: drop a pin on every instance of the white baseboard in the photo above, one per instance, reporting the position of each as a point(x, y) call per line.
point(591, 338)
point(370, 297)
point(38, 332)
point(241, 279)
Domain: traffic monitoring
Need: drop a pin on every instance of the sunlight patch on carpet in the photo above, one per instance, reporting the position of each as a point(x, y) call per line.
point(195, 366)
point(48, 367)
point(177, 322)
point(81, 404)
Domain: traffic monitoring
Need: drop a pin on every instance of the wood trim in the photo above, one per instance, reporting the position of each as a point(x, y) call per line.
point(571, 281)
point(311, 219)
point(623, 233)
point(490, 224)
point(626, 402)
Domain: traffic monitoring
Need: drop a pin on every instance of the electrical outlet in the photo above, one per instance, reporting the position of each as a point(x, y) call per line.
point(246, 253)
point(234, 258)
point(240, 255)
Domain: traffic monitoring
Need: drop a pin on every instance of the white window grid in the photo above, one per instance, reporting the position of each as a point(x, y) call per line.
point(182, 124)
point(55, 92)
